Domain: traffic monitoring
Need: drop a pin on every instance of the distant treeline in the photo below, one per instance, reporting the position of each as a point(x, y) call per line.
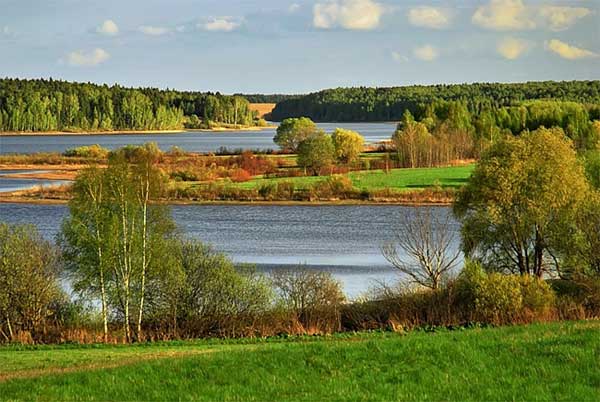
point(261, 98)
point(389, 104)
point(50, 105)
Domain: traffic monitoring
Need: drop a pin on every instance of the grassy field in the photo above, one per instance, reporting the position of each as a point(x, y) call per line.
point(558, 361)
point(397, 179)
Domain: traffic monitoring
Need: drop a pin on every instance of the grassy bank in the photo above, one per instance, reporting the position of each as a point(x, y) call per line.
point(402, 186)
point(396, 179)
point(557, 361)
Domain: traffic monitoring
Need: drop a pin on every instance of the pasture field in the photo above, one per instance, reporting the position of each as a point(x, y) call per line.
point(396, 179)
point(555, 361)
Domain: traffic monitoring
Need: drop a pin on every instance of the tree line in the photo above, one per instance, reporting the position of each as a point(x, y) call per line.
point(389, 104)
point(52, 105)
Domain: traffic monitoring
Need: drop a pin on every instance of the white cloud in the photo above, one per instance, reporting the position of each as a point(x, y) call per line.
point(109, 28)
point(81, 58)
point(426, 53)
point(429, 17)
point(153, 31)
point(294, 7)
point(512, 48)
point(561, 18)
point(504, 15)
point(399, 57)
point(348, 14)
point(567, 51)
point(5, 30)
point(220, 24)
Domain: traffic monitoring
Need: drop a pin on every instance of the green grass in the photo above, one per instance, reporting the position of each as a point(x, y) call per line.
point(397, 179)
point(558, 361)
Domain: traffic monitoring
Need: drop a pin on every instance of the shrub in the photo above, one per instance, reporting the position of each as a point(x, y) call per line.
point(92, 151)
point(498, 298)
point(314, 296)
point(267, 190)
point(184, 175)
point(240, 176)
point(285, 190)
point(333, 186)
point(537, 294)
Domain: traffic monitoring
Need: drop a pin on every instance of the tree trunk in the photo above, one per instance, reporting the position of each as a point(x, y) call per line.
point(145, 196)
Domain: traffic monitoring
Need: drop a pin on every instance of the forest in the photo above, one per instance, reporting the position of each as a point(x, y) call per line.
point(389, 104)
point(50, 105)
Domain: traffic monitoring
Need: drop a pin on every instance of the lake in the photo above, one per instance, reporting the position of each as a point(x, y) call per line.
point(193, 141)
point(344, 240)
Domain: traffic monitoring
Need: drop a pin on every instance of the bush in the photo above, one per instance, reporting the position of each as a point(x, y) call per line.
point(313, 296)
point(240, 176)
point(498, 298)
point(537, 295)
point(334, 186)
point(92, 151)
point(268, 190)
point(285, 190)
point(184, 175)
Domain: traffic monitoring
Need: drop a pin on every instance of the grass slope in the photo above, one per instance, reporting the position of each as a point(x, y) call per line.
point(558, 361)
point(397, 179)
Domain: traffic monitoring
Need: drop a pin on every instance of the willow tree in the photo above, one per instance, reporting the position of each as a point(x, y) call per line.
point(520, 202)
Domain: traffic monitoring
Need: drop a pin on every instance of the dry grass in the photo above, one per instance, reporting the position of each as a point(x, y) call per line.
point(262, 108)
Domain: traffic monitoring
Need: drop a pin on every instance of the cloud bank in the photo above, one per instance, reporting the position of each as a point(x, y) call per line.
point(81, 58)
point(347, 14)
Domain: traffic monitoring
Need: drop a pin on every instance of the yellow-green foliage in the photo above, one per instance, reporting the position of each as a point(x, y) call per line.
point(499, 298)
point(348, 145)
point(537, 295)
point(92, 151)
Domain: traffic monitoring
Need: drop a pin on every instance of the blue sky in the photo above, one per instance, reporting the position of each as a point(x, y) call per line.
point(296, 46)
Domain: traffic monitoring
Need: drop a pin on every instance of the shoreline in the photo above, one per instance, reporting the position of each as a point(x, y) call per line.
point(128, 132)
point(49, 201)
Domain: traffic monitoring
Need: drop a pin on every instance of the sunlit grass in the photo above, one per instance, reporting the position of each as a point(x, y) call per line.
point(558, 361)
point(396, 179)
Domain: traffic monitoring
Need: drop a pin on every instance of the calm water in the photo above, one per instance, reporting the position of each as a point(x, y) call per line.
point(10, 184)
point(196, 141)
point(345, 240)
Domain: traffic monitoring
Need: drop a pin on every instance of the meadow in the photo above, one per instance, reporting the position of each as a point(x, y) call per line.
point(556, 361)
point(395, 179)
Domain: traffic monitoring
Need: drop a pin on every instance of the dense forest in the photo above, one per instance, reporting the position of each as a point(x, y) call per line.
point(389, 104)
point(50, 105)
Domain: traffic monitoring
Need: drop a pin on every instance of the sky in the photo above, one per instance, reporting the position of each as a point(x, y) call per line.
point(296, 46)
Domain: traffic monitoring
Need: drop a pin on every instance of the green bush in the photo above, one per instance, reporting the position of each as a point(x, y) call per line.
point(285, 190)
point(537, 294)
point(498, 298)
point(335, 186)
point(92, 151)
point(268, 190)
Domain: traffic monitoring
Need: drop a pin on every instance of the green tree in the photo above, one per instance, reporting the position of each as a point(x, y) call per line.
point(348, 145)
point(209, 290)
point(291, 132)
point(87, 240)
point(115, 238)
point(520, 201)
point(316, 153)
point(412, 143)
point(29, 271)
